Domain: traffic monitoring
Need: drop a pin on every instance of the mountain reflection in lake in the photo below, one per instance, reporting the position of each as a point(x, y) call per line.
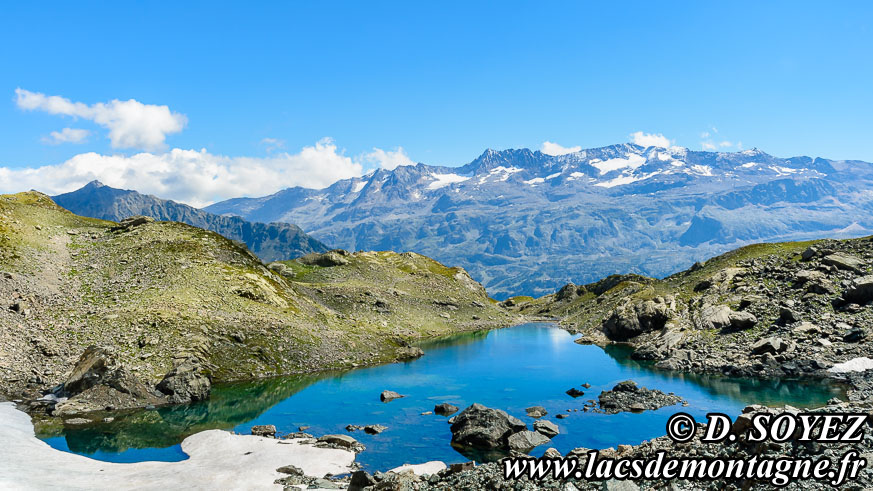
point(511, 369)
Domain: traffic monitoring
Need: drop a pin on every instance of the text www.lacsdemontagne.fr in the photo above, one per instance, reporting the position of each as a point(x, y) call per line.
point(776, 471)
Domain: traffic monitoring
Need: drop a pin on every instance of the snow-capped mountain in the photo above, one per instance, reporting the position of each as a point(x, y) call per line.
point(525, 222)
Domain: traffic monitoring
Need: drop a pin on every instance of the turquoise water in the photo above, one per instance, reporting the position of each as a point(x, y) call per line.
point(510, 369)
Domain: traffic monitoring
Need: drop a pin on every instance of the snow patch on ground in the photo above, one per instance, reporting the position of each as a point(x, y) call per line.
point(359, 186)
point(854, 365)
point(429, 468)
point(218, 460)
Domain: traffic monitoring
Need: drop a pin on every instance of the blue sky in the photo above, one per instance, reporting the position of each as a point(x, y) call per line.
point(443, 81)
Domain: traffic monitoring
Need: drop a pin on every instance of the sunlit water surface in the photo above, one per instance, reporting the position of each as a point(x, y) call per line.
point(510, 369)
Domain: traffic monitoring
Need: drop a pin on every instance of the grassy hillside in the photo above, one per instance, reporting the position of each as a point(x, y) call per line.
point(163, 290)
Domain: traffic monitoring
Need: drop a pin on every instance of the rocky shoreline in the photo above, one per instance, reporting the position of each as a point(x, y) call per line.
point(792, 310)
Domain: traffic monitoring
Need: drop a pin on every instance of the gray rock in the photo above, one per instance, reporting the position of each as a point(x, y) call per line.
point(844, 261)
point(809, 253)
point(98, 366)
point(361, 480)
point(389, 395)
point(185, 383)
point(861, 290)
point(639, 318)
point(547, 428)
point(290, 470)
point(769, 345)
point(480, 427)
point(855, 335)
point(716, 317)
point(264, 430)
point(329, 259)
point(374, 429)
point(616, 485)
point(409, 353)
point(552, 453)
point(445, 409)
point(536, 411)
point(340, 441)
point(627, 396)
point(742, 320)
point(524, 441)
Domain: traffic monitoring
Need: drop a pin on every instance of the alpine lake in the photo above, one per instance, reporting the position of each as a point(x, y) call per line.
point(510, 369)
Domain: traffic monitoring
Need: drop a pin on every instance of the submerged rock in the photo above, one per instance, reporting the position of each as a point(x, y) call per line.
point(445, 409)
point(574, 393)
point(536, 411)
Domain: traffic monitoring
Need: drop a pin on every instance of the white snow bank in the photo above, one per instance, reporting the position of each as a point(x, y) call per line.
point(853, 365)
point(218, 460)
point(431, 467)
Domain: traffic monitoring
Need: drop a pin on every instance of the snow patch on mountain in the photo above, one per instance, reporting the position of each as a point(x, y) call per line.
point(620, 180)
point(540, 180)
point(632, 161)
point(500, 173)
point(443, 180)
point(702, 170)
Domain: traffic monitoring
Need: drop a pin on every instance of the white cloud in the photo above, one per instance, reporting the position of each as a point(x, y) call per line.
point(131, 124)
point(273, 144)
point(704, 134)
point(189, 176)
point(388, 159)
point(66, 135)
point(650, 139)
point(708, 146)
point(725, 144)
point(551, 148)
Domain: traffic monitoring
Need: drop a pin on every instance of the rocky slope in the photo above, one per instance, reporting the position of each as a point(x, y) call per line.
point(170, 305)
point(523, 222)
point(776, 310)
point(271, 242)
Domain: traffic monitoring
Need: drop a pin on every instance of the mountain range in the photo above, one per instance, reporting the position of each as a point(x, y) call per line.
point(270, 241)
point(524, 222)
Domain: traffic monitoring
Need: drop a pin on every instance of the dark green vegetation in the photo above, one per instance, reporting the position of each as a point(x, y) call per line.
point(160, 292)
point(269, 242)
